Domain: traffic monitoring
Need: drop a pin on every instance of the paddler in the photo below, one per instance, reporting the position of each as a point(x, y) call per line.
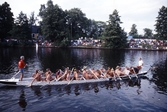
point(36, 77)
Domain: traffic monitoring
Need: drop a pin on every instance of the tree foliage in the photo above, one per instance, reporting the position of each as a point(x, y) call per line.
point(77, 23)
point(114, 35)
point(81, 26)
point(53, 24)
point(161, 23)
point(32, 19)
point(148, 33)
point(6, 20)
point(21, 29)
point(59, 25)
point(134, 31)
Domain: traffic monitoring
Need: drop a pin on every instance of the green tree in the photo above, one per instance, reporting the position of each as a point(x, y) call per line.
point(114, 35)
point(21, 29)
point(100, 27)
point(77, 23)
point(134, 31)
point(32, 19)
point(81, 26)
point(53, 24)
point(32, 22)
point(161, 24)
point(148, 33)
point(6, 20)
point(95, 28)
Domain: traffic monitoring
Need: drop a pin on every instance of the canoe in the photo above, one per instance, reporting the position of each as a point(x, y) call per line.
point(27, 81)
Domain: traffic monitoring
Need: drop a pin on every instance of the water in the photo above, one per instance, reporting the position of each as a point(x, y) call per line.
point(148, 93)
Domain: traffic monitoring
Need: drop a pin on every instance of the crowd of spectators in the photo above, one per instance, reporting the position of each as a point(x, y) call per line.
point(132, 43)
point(147, 44)
point(86, 42)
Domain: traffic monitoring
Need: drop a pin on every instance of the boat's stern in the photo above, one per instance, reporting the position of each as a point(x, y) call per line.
point(9, 81)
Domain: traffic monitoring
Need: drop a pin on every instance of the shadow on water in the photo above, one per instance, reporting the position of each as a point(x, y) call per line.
point(22, 100)
point(78, 89)
point(60, 91)
point(32, 95)
point(159, 77)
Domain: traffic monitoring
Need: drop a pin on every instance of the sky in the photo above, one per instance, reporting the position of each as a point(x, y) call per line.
point(143, 13)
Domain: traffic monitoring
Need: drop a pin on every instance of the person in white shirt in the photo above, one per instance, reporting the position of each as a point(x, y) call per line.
point(140, 64)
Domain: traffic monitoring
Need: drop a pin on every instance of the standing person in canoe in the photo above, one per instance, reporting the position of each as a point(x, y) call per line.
point(140, 64)
point(138, 68)
point(21, 66)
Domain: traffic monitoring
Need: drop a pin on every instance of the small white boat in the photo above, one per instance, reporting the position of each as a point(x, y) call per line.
point(27, 81)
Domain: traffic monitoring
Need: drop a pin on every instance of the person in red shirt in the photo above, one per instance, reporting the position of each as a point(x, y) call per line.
point(21, 66)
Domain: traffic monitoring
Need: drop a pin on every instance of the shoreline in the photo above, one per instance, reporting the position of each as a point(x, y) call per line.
point(86, 47)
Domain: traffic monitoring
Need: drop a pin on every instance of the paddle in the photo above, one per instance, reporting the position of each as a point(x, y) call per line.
point(9, 68)
point(150, 68)
point(56, 79)
point(83, 78)
point(62, 76)
point(15, 74)
point(127, 73)
point(70, 81)
point(119, 77)
point(129, 76)
point(72, 78)
point(114, 77)
point(134, 73)
point(94, 74)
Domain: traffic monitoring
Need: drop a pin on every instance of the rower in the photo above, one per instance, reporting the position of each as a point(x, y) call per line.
point(110, 72)
point(106, 72)
point(66, 75)
point(93, 74)
point(37, 77)
point(85, 73)
point(134, 70)
point(126, 71)
point(58, 74)
point(48, 75)
point(76, 76)
point(103, 73)
point(118, 71)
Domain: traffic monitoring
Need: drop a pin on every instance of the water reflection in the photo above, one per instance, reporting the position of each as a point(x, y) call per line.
point(37, 91)
point(22, 100)
point(79, 89)
point(159, 76)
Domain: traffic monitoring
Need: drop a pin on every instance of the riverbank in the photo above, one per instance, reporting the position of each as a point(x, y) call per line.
point(90, 47)
point(87, 47)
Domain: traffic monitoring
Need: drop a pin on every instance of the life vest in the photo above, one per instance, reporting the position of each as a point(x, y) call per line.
point(21, 64)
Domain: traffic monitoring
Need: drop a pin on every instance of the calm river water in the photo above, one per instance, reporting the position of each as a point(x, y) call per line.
point(145, 94)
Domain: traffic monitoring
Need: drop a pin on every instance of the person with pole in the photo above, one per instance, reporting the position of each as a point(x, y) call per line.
point(21, 66)
point(140, 63)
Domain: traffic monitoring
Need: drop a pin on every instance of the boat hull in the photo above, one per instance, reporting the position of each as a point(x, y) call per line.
point(9, 81)
point(27, 81)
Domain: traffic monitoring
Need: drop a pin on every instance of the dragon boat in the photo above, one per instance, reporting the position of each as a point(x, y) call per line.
point(26, 81)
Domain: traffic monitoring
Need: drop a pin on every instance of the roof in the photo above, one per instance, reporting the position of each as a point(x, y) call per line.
point(130, 37)
point(35, 29)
